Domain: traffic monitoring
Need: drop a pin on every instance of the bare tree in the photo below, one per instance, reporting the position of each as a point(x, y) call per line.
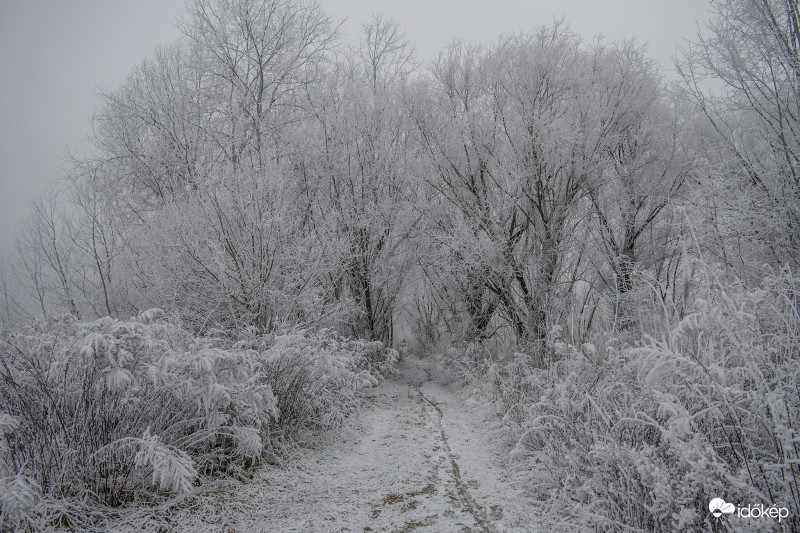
point(258, 54)
point(645, 166)
point(753, 46)
point(360, 172)
point(45, 258)
point(95, 233)
point(456, 133)
point(152, 133)
point(12, 298)
point(387, 56)
point(513, 157)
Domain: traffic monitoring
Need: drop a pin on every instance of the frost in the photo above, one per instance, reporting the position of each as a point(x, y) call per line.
point(248, 441)
point(172, 468)
point(8, 423)
point(18, 495)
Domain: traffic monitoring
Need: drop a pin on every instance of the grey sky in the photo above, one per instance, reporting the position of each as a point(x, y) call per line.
point(54, 54)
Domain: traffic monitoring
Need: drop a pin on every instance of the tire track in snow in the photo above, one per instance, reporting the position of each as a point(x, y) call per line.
point(464, 496)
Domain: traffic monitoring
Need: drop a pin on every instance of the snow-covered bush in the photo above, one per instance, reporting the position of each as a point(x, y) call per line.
point(316, 376)
point(116, 411)
point(641, 437)
point(470, 362)
point(18, 494)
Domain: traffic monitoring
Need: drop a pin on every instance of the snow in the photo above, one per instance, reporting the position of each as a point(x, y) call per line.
point(420, 456)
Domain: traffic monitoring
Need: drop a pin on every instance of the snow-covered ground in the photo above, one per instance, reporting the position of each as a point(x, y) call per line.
point(420, 457)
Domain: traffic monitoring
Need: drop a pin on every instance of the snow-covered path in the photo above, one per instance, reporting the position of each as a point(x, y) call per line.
point(418, 458)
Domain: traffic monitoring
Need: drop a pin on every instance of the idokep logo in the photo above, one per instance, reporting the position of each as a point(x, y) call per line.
point(719, 507)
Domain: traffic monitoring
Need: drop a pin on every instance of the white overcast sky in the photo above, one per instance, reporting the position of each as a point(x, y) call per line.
point(55, 53)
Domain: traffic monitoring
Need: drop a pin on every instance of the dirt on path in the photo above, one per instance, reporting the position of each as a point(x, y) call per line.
point(418, 458)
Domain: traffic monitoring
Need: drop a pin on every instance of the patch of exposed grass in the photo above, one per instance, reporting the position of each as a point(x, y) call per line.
point(392, 498)
point(428, 489)
point(496, 512)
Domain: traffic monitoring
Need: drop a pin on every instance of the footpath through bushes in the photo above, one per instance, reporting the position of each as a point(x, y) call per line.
point(97, 415)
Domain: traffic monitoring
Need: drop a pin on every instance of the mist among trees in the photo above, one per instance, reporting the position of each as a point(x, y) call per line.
point(611, 257)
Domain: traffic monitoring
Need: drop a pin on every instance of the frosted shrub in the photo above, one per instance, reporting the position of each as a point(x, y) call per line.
point(641, 438)
point(111, 412)
point(172, 469)
point(18, 494)
point(470, 361)
point(317, 376)
point(91, 398)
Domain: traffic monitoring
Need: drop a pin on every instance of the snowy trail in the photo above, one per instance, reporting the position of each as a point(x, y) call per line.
point(417, 459)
